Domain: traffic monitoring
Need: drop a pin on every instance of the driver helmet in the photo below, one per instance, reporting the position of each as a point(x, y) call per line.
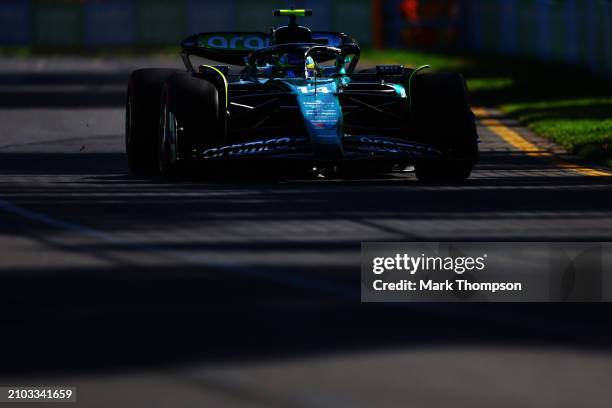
point(291, 64)
point(311, 67)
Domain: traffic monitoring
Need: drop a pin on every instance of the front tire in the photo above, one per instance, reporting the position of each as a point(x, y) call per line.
point(166, 143)
point(190, 119)
point(142, 117)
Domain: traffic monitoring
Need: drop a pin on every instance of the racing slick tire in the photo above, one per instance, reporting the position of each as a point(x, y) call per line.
point(189, 117)
point(442, 111)
point(142, 117)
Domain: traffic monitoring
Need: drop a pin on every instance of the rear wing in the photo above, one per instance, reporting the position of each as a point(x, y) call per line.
point(234, 47)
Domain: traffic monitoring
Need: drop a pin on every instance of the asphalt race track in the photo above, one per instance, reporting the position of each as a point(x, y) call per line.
point(246, 292)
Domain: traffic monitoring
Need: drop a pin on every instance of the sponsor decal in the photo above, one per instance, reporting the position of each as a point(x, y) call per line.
point(390, 146)
point(331, 39)
point(311, 90)
point(321, 108)
point(233, 42)
point(321, 114)
point(253, 148)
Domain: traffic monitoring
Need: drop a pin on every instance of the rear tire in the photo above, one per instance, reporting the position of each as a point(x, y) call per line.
point(142, 117)
point(189, 118)
point(442, 112)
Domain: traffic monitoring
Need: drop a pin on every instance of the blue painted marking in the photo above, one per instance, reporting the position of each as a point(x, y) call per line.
point(508, 23)
point(591, 35)
point(110, 23)
point(14, 22)
point(571, 40)
point(543, 18)
point(475, 25)
point(608, 37)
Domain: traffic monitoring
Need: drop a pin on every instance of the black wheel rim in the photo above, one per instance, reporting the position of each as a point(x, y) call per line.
point(128, 124)
point(167, 130)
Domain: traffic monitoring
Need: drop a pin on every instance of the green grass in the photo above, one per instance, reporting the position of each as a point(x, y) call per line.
point(564, 103)
point(583, 125)
point(487, 84)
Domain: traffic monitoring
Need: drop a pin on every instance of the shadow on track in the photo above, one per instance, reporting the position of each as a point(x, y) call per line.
point(99, 188)
point(132, 315)
point(116, 319)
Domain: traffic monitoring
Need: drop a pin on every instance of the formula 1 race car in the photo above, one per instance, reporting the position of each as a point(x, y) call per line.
point(297, 99)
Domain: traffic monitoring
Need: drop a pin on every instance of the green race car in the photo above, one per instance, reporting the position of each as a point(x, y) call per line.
point(295, 97)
